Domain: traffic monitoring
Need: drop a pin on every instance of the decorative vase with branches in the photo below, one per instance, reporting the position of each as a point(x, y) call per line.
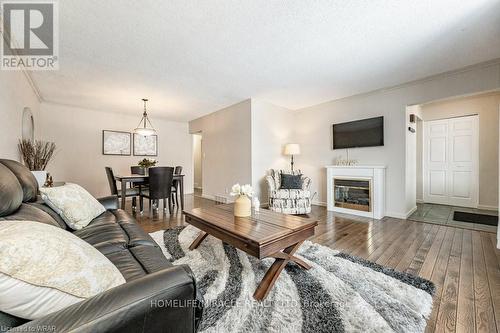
point(36, 154)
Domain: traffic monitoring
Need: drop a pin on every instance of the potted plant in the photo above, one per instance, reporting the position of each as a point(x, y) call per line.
point(242, 204)
point(147, 163)
point(36, 154)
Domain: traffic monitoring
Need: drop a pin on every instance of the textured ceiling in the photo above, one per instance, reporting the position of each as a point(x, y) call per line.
point(194, 57)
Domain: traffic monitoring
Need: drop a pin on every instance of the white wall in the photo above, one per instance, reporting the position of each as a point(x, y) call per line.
point(15, 95)
point(77, 133)
point(197, 161)
point(272, 128)
point(227, 148)
point(313, 127)
point(241, 143)
point(486, 107)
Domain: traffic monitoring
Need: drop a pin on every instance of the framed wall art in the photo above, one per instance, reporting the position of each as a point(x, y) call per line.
point(145, 145)
point(116, 143)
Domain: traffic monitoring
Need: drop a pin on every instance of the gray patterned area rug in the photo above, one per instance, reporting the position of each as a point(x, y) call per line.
point(340, 293)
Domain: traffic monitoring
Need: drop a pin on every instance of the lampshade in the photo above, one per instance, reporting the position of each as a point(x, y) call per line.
point(292, 149)
point(145, 127)
point(144, 131)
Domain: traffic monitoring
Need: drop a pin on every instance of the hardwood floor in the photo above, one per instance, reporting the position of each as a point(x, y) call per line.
point(464, 264)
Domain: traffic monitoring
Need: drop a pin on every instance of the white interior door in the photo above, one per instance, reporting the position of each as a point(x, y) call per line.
point(451, 161)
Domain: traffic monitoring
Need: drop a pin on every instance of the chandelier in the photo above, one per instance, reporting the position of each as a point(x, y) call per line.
point(145, 127)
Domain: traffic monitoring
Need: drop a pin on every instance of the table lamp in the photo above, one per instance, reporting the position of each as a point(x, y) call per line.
point(292, 149)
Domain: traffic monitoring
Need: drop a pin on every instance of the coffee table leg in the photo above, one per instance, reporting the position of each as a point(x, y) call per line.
point(198, 240)
point(272, 274)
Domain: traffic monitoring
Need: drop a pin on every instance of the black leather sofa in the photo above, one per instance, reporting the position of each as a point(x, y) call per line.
point(157, 296)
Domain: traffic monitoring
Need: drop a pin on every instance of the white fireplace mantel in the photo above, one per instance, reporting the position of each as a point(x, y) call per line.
point(374, 173)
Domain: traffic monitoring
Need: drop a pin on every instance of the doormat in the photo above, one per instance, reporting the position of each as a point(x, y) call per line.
point(475, 218)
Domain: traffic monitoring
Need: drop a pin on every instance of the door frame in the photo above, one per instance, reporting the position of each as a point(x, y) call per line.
point(476, 163)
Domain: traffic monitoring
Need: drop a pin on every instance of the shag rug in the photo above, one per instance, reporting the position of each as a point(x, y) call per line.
point(340, 293)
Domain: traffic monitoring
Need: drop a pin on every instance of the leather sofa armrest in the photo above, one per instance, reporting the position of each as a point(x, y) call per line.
point(110, 202)
point(165, 301)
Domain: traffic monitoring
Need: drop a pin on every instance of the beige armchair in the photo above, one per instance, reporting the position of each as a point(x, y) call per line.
point(285, 200)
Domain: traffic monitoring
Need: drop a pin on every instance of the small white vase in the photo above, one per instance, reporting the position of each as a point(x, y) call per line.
point(242, 206)
point(41, 177)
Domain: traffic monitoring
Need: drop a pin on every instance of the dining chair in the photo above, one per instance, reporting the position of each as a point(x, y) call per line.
point(138, 170)
point(175, 185)
point(160, 187)
point(129, 192)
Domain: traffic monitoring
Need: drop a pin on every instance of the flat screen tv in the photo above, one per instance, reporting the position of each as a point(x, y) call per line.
point(359, 133)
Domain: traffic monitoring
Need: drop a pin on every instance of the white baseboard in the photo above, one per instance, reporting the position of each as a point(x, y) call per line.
point(411, 211)
point(402, 216)
point(396, 215)
point(420, 201)
point(487, 207)
point(319, 203)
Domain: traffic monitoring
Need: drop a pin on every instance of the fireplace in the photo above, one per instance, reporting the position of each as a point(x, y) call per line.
point(352, 193)
point(356, 189)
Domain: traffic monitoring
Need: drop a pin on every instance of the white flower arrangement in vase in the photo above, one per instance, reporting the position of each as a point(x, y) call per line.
point(242, 204)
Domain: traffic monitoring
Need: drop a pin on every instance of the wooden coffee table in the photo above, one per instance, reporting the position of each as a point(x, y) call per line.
point(265, 234)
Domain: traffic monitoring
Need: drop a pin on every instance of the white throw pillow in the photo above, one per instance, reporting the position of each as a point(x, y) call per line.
point(73, 203)
point(44, 269)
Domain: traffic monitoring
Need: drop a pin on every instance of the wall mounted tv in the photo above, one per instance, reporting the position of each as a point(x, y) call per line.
point(359, 133)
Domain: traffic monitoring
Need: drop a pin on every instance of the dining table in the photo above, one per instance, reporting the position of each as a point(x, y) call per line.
point(136, 178)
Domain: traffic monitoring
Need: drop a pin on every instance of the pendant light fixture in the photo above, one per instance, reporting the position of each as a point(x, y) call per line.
point(143, 128)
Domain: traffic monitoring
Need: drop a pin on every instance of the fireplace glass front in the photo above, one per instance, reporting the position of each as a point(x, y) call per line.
point(352, 194)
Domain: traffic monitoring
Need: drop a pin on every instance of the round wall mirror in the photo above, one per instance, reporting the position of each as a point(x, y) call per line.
point(28, 131)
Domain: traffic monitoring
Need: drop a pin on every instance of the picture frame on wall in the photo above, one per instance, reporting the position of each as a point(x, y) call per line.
point(145, 145)
point(116, 143)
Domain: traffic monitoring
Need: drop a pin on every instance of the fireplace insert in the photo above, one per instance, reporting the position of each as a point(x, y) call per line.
point(352, 193)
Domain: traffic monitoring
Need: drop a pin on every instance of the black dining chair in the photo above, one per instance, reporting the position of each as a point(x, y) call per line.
point(138, 170)
point(175, 185)
point(160, 187)
point(129, 192)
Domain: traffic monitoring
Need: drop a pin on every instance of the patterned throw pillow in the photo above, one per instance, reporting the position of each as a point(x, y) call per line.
point(44, 269)
point(291, 182)
point(73, 203)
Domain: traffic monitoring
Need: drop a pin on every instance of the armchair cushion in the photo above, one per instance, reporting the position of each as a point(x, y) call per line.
point(291, 182)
